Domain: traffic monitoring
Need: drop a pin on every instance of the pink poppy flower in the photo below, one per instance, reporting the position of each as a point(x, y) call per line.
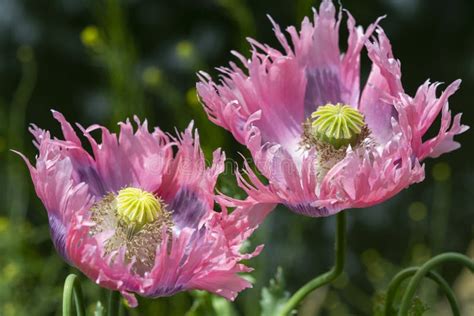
point(323, 144)
point(138, 215)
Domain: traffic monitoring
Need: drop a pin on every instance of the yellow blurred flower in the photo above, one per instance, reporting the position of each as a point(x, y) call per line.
point(10, 271)
point(441, 171)
point(9, 309)
point(90, 37)
point(4, 222)
point(152, 76)
point(191, 97)
point(420, 253)
point(417, 211)
point(185, 49)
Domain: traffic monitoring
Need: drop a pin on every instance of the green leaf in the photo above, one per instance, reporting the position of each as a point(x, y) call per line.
point(274, 296)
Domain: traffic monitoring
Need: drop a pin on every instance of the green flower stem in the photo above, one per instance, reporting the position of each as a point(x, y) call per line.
point(72, 287)
point(407, 273)
point(424, 269)
point(327, 277)
point(113, 303)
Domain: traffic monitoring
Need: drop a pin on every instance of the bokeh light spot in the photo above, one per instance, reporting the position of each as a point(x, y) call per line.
point(90, 36)
point(10, 271)
point(24, 53)
point(369, 256)
point(4, 222)
point(441, 172)
point(184, 49)
point(9, 309)
point(417, 211)
point(191, 97)
point(420, 253)
point(152, 77)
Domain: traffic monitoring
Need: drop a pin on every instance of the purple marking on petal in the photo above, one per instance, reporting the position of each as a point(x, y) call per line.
point(58, 234)
point(378, 117)
point(166, 291)
point(308, 210)
point(197, 235)
point(323, 87)
point(187, 208)
point(90, 176)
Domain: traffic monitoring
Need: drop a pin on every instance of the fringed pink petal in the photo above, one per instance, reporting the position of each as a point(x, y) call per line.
point(68, 132)
point(366, 179)
point(254, 187)
point(239, 225)
point(224, 283)
point(289, 184)
point(384, 99)
point(111, 271)
point(417, 114)
point(188, 169)
point(317, 44)
point(148, 153)
point(332, 78)
point(224, 111)
point(140, 158)
point(208, 258)
point(54, 178)
point(51, 149)
point(444, 142)
point(285, 88)
point(266, 91)
point(384, 82)
point(350, 65)
point(362, 179)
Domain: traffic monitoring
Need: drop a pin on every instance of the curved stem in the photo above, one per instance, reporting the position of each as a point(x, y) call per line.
point(113, 303)
point(72, 287)
point(327, 277)
point(447, 291)
point(393, 288)
point(406, 273)
point(424, 269)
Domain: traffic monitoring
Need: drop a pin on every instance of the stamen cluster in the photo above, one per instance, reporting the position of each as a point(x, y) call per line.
point(137, 219)
point(330, 130)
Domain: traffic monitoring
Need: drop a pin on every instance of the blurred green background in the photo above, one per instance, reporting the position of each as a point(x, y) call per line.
point(103, 61)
